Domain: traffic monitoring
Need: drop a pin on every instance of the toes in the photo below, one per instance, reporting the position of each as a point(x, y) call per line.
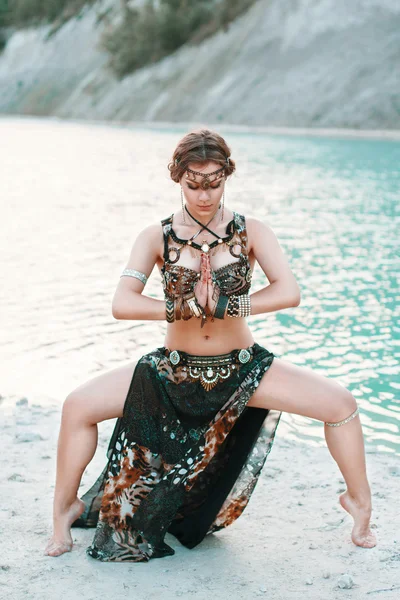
point(55, 549)
point(365, 541)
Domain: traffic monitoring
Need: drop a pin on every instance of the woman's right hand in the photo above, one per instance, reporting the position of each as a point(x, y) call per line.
point(201, 287)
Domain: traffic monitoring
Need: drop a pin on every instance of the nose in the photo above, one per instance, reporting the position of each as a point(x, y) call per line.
point(204, 195)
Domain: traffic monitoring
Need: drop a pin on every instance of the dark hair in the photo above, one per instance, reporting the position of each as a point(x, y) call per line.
point(200, 146)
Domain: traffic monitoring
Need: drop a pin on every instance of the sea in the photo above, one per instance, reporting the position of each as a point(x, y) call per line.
point(74, 196)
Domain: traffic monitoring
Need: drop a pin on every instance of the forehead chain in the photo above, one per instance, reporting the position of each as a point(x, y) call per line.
point(204, 174)
point(205, 183)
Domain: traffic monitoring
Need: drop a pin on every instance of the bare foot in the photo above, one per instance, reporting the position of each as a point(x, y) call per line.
point(61, 540)
point(361, 534)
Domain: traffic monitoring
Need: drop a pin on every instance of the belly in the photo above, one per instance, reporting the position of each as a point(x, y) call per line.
point(216, 337)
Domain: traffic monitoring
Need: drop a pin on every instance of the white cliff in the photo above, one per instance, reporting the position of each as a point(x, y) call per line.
point(296, 63)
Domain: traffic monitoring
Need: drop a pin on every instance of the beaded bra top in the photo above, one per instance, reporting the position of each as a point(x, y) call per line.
point(232, 278)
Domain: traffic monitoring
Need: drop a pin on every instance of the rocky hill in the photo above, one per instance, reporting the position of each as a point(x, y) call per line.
point(296, 63)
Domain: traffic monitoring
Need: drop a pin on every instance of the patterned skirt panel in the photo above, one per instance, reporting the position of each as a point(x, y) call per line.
point(185, 456)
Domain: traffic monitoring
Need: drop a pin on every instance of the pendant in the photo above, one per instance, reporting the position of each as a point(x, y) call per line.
point(205, 247)
point(209, 379)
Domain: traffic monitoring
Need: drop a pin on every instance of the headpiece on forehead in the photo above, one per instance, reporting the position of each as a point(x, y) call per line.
point(206, 182)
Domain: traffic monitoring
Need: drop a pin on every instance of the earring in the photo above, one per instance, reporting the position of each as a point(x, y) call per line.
point(183, 211)
point(223, 202)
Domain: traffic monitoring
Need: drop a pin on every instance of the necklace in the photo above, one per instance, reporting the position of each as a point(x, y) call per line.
point(205, 247)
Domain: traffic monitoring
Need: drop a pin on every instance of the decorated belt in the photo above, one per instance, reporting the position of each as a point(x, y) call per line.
point(209, 369)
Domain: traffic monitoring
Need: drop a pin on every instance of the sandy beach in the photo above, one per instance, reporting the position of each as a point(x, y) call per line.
point(293, 538)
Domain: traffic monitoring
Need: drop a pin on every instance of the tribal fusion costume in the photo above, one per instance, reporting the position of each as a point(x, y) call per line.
point(186, 455)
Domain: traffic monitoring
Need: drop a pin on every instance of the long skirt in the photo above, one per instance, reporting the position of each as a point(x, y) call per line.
point(185, 456)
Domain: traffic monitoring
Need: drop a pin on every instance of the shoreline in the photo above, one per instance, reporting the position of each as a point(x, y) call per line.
point(336, 133)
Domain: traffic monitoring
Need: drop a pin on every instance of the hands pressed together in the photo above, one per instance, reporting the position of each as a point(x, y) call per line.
point(206, 290)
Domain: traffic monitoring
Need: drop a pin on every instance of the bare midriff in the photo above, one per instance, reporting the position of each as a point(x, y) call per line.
point(218, 337)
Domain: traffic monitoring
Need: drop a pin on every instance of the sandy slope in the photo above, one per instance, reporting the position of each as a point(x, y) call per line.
point(303, 63)
point(292, 539)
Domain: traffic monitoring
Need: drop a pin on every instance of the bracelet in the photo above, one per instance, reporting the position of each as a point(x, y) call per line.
point(194, 307)
point(177, 309)
point(233, 306)
point(169, 310)
point(239, 306)
point(185, 308)
point(134, 273)
point(219, 311)
point(244, 305)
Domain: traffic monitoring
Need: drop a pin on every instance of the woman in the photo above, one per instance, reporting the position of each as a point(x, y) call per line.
point(196, 418)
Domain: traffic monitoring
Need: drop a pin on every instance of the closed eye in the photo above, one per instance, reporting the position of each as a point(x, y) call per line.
point(214, 187)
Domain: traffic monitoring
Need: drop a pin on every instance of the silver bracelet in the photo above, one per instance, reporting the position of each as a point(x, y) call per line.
point(133, 273)
point(244, 305)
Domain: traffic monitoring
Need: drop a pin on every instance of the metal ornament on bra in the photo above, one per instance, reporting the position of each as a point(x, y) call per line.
point(174, 251)
point(206, 248)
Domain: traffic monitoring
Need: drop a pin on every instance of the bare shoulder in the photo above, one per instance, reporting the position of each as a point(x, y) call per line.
point(257, 230)
point(151, 232)
point(149, 239)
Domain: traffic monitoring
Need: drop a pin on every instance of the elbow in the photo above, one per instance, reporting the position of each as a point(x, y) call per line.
point(293, 295)
point(116, 312)
point(119, 305)
point(296, 296)
point(123, 308)
point(296, 300)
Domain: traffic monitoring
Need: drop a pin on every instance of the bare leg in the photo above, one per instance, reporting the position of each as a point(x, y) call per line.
point(346, 445)
point(301, 391)
point(100, 398)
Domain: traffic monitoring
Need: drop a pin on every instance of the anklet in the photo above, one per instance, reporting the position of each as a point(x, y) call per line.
point(354, 414)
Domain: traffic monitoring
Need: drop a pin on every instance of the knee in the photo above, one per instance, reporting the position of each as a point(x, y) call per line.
point(345, 405)
point(73, 408)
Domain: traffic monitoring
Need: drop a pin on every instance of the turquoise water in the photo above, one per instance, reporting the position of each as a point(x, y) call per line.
point(77, 194)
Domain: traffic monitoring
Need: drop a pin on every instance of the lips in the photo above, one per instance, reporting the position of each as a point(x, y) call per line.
point(206, 206)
